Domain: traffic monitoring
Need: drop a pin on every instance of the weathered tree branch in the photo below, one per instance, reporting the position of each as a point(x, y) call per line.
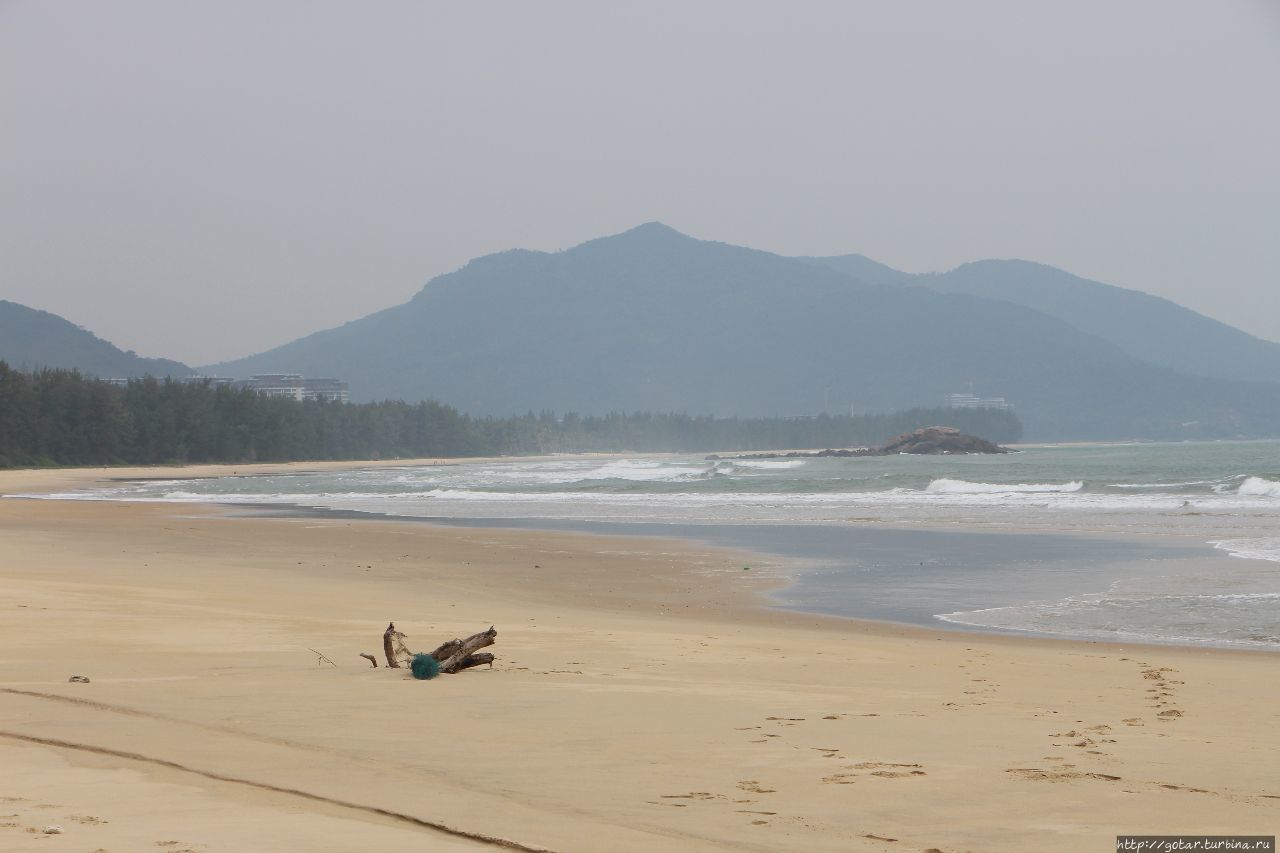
point(370, 658)
point(474, 660)
point(393, 646)
point(464, 649)
point(321, 657)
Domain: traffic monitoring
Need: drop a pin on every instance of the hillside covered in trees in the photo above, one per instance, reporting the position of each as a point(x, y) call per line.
point(32, 340)
point(59, 417)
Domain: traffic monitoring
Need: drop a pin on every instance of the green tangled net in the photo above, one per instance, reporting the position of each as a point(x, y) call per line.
point(424, 667)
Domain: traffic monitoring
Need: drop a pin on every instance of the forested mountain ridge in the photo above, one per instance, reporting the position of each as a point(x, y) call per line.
point(33, 339)
point(653, 319)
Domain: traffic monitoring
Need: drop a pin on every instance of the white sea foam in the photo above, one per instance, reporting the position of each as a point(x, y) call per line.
point(1154, 486)
point(1231, 619)
point(1260, 548)
point(644, 471)
point(963, 487)
point(1258, 487)
point(776, 464)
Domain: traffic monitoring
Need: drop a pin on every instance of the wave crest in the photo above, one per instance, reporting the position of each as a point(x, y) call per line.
point(1258, 487)
point(964, 487)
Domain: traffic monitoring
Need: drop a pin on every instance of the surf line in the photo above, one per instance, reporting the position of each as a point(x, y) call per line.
point(494, 840)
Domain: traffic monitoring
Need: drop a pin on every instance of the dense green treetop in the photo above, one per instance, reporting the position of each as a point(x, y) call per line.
point(58, 417)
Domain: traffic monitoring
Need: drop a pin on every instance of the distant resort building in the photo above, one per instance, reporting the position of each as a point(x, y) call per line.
point(295, 387)
point(970, 401)
point(292, 386)
point(211, 381)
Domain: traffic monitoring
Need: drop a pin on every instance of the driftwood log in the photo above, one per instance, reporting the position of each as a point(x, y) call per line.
point(453, 656)
point(457, 655)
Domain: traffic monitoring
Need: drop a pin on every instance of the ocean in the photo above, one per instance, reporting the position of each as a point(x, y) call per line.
point(1135, 542)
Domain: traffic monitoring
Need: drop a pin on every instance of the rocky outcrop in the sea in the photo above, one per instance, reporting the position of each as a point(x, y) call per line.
point(938, 439)
point(927, 440)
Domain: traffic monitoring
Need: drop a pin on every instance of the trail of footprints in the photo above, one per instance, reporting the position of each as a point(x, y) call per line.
point(1092, 740)
point(1161, 691)
point(980, 690)
point(841, 774)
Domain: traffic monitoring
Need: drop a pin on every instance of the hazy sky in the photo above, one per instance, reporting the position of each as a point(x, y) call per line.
point(206, 180)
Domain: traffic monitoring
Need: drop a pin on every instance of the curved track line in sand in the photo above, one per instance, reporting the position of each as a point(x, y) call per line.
point(162, 762)
point(126, 711)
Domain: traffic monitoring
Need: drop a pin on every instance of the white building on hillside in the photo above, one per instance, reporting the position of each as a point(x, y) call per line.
point(970, 401)
point(295, 387)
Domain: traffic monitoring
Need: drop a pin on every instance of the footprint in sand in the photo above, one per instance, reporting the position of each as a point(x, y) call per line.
point(841, 778)
point(878, 769)
point(694, 795)
point(1184, 788)
point(1163, 691)
point(1055, 775)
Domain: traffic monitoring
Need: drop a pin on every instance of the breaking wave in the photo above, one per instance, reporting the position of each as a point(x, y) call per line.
point(768, 464)
point(963, 487)
point(643, 471)
point(1258, 487)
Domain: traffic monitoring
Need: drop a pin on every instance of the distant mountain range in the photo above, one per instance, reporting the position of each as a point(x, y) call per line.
point(653, 319)
point(31, 339)
point(1145, 326)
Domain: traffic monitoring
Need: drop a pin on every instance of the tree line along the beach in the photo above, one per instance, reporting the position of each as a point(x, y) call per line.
point(60, 417)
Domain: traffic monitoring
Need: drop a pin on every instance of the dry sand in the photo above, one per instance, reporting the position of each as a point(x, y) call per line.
point(641, 700)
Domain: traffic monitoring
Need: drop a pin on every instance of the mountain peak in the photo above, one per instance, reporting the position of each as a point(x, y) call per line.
point(654, 230)
point(649, 234)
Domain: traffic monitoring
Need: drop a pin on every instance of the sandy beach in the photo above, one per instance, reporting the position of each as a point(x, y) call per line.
point(642, 698)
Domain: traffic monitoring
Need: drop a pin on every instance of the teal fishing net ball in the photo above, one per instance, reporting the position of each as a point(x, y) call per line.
point(424, 666)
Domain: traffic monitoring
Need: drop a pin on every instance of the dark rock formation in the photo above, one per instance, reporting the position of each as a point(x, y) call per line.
point(938, 439)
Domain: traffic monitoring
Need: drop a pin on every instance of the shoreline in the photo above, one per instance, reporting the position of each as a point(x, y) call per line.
point(766, 600)
point(783, 571)
point(641, 698)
